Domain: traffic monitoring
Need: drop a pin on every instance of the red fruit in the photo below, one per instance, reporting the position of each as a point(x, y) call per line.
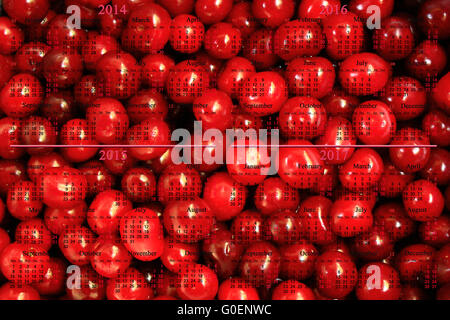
point(426, 61)
point(24, 200)
point(109, 257)
point(92, 286)
point(350, 218)
point(339, 103)
point(155, 70)
point(440, 93)
point(436, 125)
point(247, 227)
point(373, 245)
point(76, 243)
point(86, 91)
point(274, 195)
point(436, 232)
point(57, 219)
point(175, 8)
point(442, 261)
point(233, 74)
point(59, 107)
point(378, 281)
point(197, 282)
point(14, 291)
point(395, 39)
point(30, 57)
point(98, 45)
point(292, 290)
point(297, 260)
point(437, 169)
point(54, 280)
point(130, 285)
point(11, 36)
point(392, 218)
point(360, 7)
point(142, 234)
point(237, 289)
point(147, 104)
point(10, 134)
point(34, 232)
point(210, 11)
point(186, 33)
point(241, 16)
point(283, 228)
point(78, 132)
point(259, 49)
point(316, 9)
point(415, 261)
point(10, 172)
point(179, 182)
point(214, 109)
point(61, 35)
point(423, 201)
point(177, 254)
point(36, 131)
point(26, 12)
point(272, 13)
point(433, 18)
point(98, 177)
point(223, 41)
point(314, 216)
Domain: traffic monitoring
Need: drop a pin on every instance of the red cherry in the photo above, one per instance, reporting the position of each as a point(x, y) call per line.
point(246, 121)
point(37, 31)
point(38, 163)
point(63, 187)
point(350, 218)
point(11, 36)
point(272, 13)
point(378, 281)
point(310, 77)
point(186, 33)
point(86, 91)
point(119, 72)
point(260, 264)
point(297, 260)
point(8, 67)
point(409, 159)
point(34, 232)
point(274, 195)
point(436, 232)
point(14, 291)
point(374, 122)
point(176, 8)
point(57, 219)
point(373, 245)
point(139, 185)
point(130, 285)
point(247, 227)
point(147, 35)
point(223, 40)
point(26, 12)
point(179, 182)
point(241, 16)
point(442, 261)
point(344, 34)
point(10, 134)
point(237, 289)
point(360, 7)
point(395, 39)
point(177, 254)
point(371, 75)
point(109, 257)
point(292, 290)
point(393, 181)
point(92, 286)
point(36, 131)
point(98, 177)
point(282, 227)
point(61, 35)
point(78, 132)
point(54, 280)
point(436, 125)
point(112, 25)
point(415, 261)
point(147, 104)
point(336, 274)
point(314, 216)
point(16, 261)
point(259, 49)
point(339, 103)
point(214, 108)
point(210, 11)
point(434, 18)
point(98, 46)
point(316, 9)
point(438, 167)
point(30, 57)
point(327, 181)
point(423, 201)
point(21, 96)
point(24, 200)
point(440, 94)
point(392, 218)
point(300, 167)
point(155, 70)
point(233, 74)
point(76, 243)
point(59, 107)
point(426, 61)
point(197, 282)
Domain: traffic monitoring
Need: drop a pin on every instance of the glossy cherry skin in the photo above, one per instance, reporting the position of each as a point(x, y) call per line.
point(302, 118)
point(57, 219)
point(186, 33)
point(386, 285)
point(350, 218)
point(155, 70)
point(340, 103)
point(87, 90)
point(436, 125)
point(247, 227)
point(37, 31)
point(210, 12)
point(316, 9)
point(241, 16)
point(298, 260)
point(434, 18)
point(139, 185)
point(259, 49)
point(440, 94)
point(336, 274)
point(360, 7)
point(211, 64)
point(98, 45)
point(233, 74)
point(423, 201)
point(142, 234)
point(11, 171)
point(112, 25)
point(176, 8)
point(237, 289)
point(29, 58)
point(438, 167)
point(436, 232)
point(10, 133)
point(225, 196)
point(395, 39)
point(60, 35)
point(33, 232)
point(273, 13)
point(298, 38)
point(406, 97)
point(415, 261)
point(179, 182)
point(177, 254)
point(362, 171)
point(263, 93)
point(109, 256)
point(14, 291)
point(188, 221)
point(92, 286)
point(63, 187)
point(409, 159)
point(54, 280)
point(98, 177)
point(274, 195)
point(214, 108)
point(223, 40)
point(21, 96)
point(119, 72)
point(310, 77)
point(314, 216)
point(149, 132)
point(374, 122)
point(24, 200)
point(106, 210)
point(59, 105)
point(426, 61)
point(16, 261)
point(371, 75)
point(130, 285)
point(78, 132)
point(344, 34)
point(147, 104)
point(442, 261)
point(76, 243)
point(38, 130)
point(392, 218)
point(197, 282)
point(373, 245)
point(260, 264)
point(186, 81)
point(119, 166)
point(292, 290)
point(11, 36)
point(300, 167)
point(39, 162)
point(222, 252)
point(147, 35)
point(26, 12)
point(282, 227)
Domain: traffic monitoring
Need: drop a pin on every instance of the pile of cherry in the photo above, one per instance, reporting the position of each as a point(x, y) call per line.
point(129, 223)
